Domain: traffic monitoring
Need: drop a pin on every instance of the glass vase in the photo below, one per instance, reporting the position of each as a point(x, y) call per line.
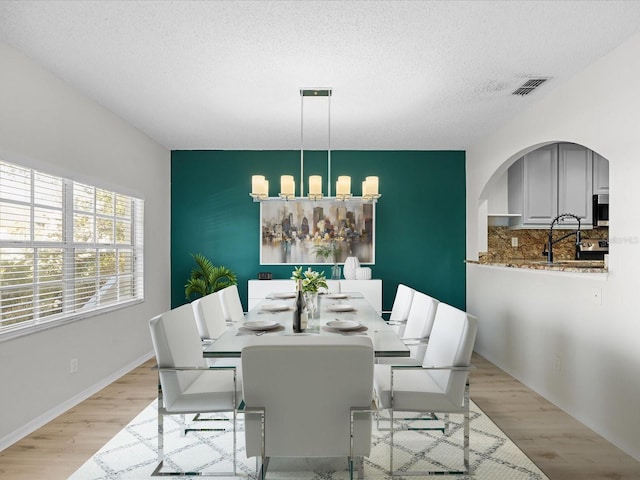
point(311, 299)
point(336, 272)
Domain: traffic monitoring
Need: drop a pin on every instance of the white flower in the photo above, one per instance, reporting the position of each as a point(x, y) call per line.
point(312, 281)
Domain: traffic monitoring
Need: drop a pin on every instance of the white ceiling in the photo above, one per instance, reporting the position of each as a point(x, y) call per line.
point(226, 74)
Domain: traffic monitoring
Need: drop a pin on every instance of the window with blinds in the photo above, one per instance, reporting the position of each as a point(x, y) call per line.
point(66, 248)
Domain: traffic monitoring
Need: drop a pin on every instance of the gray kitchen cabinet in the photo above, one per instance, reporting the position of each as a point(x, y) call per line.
point(600, 174)
point(533, 187)
point(575, 182)
point(553, 179)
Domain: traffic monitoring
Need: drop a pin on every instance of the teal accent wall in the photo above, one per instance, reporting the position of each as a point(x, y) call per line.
point(419, 228)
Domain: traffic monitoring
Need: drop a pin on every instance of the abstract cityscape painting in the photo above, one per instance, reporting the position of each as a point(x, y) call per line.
point(316, 232)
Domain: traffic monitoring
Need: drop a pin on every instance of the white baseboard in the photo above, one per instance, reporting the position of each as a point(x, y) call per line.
point(46, 417)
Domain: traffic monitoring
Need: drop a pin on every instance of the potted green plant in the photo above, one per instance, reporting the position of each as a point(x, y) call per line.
point(206, 278)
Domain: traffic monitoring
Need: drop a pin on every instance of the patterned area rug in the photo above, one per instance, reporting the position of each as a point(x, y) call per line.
point(132, 453)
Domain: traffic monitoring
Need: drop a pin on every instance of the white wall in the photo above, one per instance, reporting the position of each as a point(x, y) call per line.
point(497, 201)
point(543, 328)
point(48, 125)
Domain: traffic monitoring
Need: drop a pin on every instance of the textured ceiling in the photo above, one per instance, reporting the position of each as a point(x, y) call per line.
point(226, 75)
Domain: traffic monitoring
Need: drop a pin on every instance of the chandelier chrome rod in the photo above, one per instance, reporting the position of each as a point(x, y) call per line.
point(325, 92)
point(302, 143)
point(329, 146)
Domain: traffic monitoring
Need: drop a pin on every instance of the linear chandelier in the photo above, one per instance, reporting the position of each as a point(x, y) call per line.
point(260, 185)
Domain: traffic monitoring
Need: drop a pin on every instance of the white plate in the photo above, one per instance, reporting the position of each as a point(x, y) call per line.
point(275, 307)
point(341, 307)
point(344, 324)
point(284, 295)
point(337, 295)
point(261, 325)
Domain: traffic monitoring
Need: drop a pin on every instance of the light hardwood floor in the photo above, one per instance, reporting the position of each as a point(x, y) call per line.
point(561, 447)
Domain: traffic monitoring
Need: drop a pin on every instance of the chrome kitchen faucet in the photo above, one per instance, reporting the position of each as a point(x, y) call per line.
point(551, 241)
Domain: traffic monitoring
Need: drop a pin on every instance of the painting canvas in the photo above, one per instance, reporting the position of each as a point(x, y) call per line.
point(314, 232)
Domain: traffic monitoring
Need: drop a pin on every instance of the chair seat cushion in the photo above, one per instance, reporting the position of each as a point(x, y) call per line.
point(211, 391)
point(413, 391)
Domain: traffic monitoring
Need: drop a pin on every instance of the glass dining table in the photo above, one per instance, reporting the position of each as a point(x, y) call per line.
point(337, 314)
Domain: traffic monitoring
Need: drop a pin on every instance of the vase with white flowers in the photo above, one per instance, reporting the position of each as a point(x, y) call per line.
point(312, 282)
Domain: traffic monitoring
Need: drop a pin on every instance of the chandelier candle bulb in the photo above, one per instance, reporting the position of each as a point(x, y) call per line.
point(258, 185)
point(287, 186)
point(372, 185)
point(315, 185)
point(343, 186)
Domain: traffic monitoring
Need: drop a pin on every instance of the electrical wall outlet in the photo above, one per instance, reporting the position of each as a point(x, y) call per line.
point(73, 366)
point(514, 241)
point(557, 364)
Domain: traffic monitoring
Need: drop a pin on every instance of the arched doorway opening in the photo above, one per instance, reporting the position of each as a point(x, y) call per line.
point(530, 189)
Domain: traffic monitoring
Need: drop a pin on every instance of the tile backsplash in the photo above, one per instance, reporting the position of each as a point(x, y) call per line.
point(531, 243)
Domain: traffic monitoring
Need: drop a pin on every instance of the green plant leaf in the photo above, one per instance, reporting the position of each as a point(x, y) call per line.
point(195, 286)
point(221, 277)
point(206, 278)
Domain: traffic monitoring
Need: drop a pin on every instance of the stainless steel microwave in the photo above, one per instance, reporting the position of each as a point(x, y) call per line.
point(600, 210)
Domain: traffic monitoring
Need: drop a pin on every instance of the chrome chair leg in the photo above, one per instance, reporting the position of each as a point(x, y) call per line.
point(391, 439)
point(261, 467)
point(465, 446)
point(356, 465)
point(183, 431)
point(235, 423)
point(160, 426)
point(466, 429)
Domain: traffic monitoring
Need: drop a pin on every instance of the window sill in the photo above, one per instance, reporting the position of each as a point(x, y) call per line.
point(21, 331)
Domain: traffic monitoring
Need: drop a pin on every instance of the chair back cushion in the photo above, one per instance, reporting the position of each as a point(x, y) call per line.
point(451, 344)
point(177, 344)
point(420, 321)
point(307, 385)
point(231, 304)
point(421, 316)
point(401, 303)
point(210, 316)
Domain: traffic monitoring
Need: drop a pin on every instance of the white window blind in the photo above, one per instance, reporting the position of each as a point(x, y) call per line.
point(66, 248)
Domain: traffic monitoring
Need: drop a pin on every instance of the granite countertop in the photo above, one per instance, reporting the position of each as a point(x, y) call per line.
point(576, 266)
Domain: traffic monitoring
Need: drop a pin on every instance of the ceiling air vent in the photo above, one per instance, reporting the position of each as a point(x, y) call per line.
point(529, 86)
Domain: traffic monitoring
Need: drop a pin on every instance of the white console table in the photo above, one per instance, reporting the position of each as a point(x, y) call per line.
point(370, 289)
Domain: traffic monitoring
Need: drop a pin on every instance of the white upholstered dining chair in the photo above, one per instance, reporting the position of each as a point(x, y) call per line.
point(308, 396)
point(416, 330)
point(185, 384)
point(401, 306)
point(210, 316)
point(419, 323)
point(439, 385)
point(231, 304)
